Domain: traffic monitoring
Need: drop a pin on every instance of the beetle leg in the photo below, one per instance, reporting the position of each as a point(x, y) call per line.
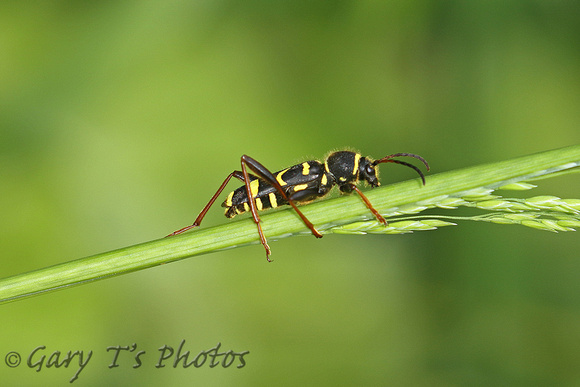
point(369, 205)
point(197, 222)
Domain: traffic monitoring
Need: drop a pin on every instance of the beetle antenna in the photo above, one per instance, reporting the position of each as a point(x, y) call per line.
point(390, 159)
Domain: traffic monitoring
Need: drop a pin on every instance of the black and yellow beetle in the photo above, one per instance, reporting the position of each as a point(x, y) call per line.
point(301, 183)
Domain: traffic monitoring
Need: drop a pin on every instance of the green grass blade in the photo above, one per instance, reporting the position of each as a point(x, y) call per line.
point(324, 214)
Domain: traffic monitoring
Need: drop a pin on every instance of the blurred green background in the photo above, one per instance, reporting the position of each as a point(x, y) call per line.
point(118, 120)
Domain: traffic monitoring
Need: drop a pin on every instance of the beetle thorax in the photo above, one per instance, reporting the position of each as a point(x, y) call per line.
point(343, 166)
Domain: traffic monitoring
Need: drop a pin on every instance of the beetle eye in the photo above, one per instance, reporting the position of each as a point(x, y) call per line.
point(369, 170)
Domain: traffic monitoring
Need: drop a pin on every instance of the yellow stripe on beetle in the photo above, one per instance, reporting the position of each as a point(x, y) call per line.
point(254, 187)
point(279, 177)
point(356, 161)
point(305, 168)
point(273, 201)
point(229, 199)
point(300, 187)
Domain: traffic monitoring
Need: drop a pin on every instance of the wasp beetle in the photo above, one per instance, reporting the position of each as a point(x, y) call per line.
point(301, 183)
